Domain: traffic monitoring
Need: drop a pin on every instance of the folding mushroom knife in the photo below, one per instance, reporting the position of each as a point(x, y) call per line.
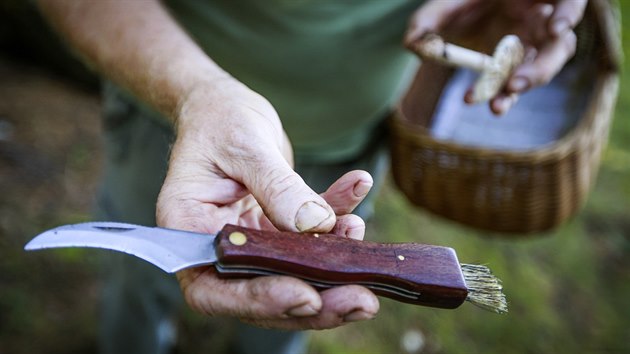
point(408, 272)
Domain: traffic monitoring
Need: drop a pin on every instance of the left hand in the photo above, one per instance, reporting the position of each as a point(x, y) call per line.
point(545, 27)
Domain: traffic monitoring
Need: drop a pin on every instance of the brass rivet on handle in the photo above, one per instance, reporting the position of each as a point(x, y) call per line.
point(401, 257)
point(316, 235)
point(237, 238)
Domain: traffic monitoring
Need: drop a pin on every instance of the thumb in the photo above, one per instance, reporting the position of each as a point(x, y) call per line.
point(429, 18)
point(285, 198)
point(435, 15)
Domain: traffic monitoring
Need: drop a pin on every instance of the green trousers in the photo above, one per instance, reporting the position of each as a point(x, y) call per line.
point(140, 303)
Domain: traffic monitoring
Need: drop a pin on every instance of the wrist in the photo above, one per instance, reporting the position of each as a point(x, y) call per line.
point(203, 99)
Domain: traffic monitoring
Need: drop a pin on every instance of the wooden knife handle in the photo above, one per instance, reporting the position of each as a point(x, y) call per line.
point(408, 272)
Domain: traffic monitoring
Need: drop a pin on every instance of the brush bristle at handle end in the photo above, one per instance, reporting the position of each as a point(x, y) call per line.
point(484, 289)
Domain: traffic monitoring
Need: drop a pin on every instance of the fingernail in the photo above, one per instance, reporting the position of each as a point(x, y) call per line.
point(559, 26)
point(519, 84)
point(310, 215)
point(545, 10)
point(302, 311)
point(468, 97)
point(358, 315)
point(502, 105)
point(361, 188)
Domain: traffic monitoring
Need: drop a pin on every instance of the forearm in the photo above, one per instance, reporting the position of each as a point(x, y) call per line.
point(137, 45)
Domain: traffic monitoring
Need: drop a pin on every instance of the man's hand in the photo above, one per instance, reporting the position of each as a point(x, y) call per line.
point(231, 163)
point(546, 28)
point(231, 160)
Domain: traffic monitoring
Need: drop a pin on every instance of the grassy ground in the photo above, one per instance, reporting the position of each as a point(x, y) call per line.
point(568, 289)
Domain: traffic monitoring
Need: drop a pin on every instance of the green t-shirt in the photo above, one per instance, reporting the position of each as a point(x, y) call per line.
point(331, 68)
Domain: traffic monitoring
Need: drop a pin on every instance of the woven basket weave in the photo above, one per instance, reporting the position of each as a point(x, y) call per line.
point(508, 191)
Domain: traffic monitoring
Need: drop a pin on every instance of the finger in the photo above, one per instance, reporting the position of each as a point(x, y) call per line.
point(190, 194)
point(341, 305)
point(501, 104)
point(270, 297)
point(284, 196)
point(350, 226)
point(251, 214)
point(537, 22)
point(519, 84)
point(348, 191)
point(427, 19)
point(548, 62)
point(567, 14)
point(177, 209)
point(432, 17)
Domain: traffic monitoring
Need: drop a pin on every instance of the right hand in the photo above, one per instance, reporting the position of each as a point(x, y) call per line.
point(230, 162)
point(545, 27)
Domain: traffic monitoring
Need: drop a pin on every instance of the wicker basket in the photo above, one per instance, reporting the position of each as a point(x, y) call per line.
point(499, 190)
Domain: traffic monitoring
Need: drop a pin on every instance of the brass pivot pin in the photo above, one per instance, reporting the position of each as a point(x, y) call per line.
point(237, 238)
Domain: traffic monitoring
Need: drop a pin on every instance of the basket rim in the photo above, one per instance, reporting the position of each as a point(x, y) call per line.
point(607, 82)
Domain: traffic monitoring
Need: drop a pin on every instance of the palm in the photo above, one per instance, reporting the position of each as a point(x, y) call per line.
point(231, 163)
point(199, 284)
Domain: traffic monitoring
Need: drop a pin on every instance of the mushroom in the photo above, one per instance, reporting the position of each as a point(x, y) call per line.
point(495, 70)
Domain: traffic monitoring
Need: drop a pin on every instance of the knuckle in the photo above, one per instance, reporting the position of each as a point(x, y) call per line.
point(277, 183)
point(197, 302)
point(570, 43)
point(260, 298)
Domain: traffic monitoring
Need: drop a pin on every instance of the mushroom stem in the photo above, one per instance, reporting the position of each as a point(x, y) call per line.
point(433, 47)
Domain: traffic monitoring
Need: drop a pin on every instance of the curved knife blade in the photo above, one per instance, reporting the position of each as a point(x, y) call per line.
point(170, 250)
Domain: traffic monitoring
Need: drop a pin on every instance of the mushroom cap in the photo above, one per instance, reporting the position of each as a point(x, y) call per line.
point(508, 55)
